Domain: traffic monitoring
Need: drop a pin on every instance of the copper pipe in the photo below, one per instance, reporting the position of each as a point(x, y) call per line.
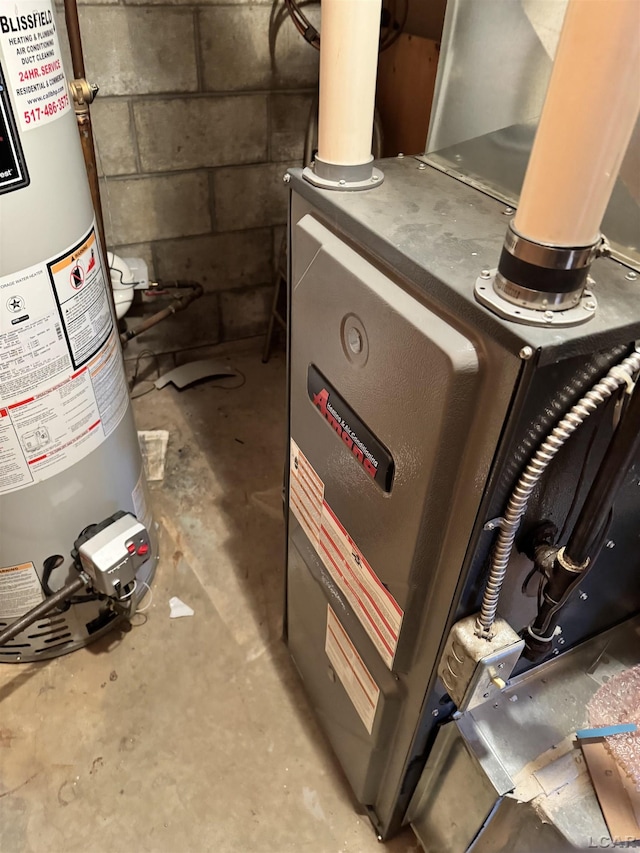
point(196, 291)
point(75, 39)
point(83, 94)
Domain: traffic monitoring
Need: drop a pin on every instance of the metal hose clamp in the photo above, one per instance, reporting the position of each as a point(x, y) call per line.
point(543, 277)
point(541, 284)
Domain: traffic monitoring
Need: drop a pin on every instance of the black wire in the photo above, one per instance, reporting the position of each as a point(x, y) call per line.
point(584, 469)
point(121, 274)
point(145, 353)
point(242, 382)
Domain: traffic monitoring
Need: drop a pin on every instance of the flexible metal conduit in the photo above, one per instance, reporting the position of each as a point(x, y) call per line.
point(618, 375)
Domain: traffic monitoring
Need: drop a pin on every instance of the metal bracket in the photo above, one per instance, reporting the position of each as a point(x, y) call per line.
point(377, 177)
point(475, 670)
point(486, 294)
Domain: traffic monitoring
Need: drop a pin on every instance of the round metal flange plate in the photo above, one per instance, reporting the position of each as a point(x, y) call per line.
point(377, 177)
point(580, 313)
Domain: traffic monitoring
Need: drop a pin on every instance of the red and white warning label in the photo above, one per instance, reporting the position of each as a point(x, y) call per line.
point(33, 62)
point(375, 607)
point(351, 670)
point(306, 493)
point(20, 590)
point(62, 384)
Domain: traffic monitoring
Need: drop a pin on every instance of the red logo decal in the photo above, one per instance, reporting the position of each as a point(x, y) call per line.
point(320, 400)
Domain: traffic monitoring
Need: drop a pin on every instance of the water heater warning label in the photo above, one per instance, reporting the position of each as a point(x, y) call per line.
point(20, 590)
point(373, 604)
point(31, 50)
point(62, 385)
point(83, 303)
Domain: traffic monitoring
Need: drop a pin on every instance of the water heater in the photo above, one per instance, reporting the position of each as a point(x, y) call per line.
point(69, 454)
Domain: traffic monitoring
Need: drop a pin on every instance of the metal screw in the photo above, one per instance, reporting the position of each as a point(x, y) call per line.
point(400, 156)
point(342, 182)
point(435, 712)
point(611, 544)
point(500, 666)
point(507, 211)
point(485, 274)
point(422, 166)
point(526, 353)
point(485, 695)
point(375, 177)
point(555, 652)
point(286, 178)
point(548, 315)
point(561, 641)
point(590, 305)
point(582, 595)
point(631, 276)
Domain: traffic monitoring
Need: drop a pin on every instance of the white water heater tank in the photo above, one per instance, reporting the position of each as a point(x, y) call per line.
point(69, 454)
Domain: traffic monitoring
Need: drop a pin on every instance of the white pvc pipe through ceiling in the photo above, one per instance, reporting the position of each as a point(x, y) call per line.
point(590, 110)
point(350, 38)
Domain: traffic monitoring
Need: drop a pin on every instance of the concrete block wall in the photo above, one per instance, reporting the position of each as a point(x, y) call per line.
point(202, 108)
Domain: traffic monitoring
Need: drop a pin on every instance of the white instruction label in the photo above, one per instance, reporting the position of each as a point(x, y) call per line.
point(306, 493)
point(62, 384)
point(33, 62)
point(373, 604)
point(350, 669)
point(20, 590)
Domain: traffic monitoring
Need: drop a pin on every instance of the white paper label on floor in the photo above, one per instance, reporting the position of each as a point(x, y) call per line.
point(351, 670)
point(33, 62)
point(306, 493)
point(373, 604)
point(20, 590)
point(62, 384)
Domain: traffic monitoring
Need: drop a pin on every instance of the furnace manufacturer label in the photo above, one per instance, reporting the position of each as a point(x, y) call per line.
point(376, 608)
point(52, 412)
point(356, 437)
point(32, 55)
point(351, 670)
point(20, 590)
point(13, 169)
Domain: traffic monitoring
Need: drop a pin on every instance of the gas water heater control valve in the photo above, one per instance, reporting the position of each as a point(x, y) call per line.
point(112, 552)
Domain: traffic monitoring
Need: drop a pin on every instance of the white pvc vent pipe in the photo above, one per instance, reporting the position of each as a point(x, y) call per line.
point(349, 45)
point(590, 110)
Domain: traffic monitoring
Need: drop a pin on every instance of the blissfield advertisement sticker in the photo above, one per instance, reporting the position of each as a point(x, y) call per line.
point(33, 62)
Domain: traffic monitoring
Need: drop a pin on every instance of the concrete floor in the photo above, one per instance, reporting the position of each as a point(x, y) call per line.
point(188, 734)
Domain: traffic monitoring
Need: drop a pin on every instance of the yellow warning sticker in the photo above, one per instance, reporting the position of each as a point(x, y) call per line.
point(20, 590)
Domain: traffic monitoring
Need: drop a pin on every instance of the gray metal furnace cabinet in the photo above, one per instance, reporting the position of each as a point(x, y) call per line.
point(408, 403)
